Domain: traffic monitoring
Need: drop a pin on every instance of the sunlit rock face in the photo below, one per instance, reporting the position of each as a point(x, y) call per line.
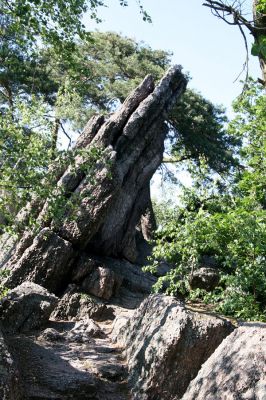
point(236, 370)
point(166, 344)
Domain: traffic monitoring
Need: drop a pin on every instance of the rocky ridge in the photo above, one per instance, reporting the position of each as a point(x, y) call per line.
point(79, 321)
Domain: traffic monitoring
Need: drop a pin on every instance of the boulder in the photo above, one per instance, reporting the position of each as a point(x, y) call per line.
point(84, 331)
point(166, 344)
point(46, 261)
point(26, 307)
point(50, 335)
point(102, 282)
point(75, 305)
point(205, 278)
point(236, 370)
point(8, 375)
point(107, 277)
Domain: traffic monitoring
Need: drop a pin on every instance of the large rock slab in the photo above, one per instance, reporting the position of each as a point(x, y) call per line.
point(46, 261)
point(64, 362)
point(166, 344)
point(236, 370)
point(8, 375)
point(110, 196)
point(26, 307)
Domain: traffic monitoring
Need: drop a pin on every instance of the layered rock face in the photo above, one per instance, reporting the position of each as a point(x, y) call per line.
point(113, 193)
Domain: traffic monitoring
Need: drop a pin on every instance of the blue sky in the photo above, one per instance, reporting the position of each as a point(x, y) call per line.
point(212, 51)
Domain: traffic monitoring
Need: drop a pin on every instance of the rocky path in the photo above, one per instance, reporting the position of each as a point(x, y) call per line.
point(68, 360)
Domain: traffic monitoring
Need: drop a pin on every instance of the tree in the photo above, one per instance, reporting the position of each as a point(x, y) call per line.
point(232, 13)
point(226, 223)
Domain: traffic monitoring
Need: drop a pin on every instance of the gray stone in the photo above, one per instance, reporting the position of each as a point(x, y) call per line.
point(110, 205)
point(84, 331)
point(26, 307)
point(50, 335)
point(83, 267)
point(75, 305)
point(102, 282)
point(166, 344)
point(46, 262)
point(205, 278)
point(9, 389)
point(236, 370)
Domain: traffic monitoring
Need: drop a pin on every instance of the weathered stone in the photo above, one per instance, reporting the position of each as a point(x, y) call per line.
point(75, 305)
point(57, 365)
point(46, 262)
point(26, 307)
point(205, 278)
point(50, 335)
point(102, 282)
point(111, 205)
point(83, 267)
point(46, 373)
point(9, 389)
point(124, 273)
point(84, 331)
point(166, 344)
point(236, 370)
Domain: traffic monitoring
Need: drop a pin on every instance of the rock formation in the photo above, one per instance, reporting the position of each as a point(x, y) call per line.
point(166, 344)
point(111, 204)
point(74, 323)
point(236, 370)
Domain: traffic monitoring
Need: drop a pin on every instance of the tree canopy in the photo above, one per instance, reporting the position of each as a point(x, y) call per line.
point(225, 223)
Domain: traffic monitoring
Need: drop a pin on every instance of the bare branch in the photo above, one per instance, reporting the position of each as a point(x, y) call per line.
point(66, 134)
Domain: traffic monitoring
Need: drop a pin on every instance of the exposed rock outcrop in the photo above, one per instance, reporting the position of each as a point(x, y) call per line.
point(236, 370)
point(113, 193)
point(166, 344)
point(75, 306)
point(90, 259)
point(45, 260)
point(9, 389)
point(26, 307)
point(107, 277)
point(68, 361)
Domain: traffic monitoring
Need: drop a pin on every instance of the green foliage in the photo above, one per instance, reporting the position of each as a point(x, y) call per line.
point(199, 132)
point(227, 225)
point(259, 47)
point(25, 154)
point(261, 6)
point(102, 72)
point(3, 290)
